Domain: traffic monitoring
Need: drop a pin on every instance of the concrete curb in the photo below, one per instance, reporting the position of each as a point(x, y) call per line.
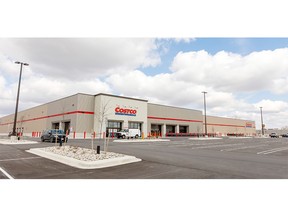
point(84, 164)
point(17, 142)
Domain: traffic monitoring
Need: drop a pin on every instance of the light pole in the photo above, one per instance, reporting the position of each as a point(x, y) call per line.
point(17, 100)
point(205, 113)
point(262, 128)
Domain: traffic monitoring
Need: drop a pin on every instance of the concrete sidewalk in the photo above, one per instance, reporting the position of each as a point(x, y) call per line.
point(16, 142)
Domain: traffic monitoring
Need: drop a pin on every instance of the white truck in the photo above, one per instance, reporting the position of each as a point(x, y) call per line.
point(129, 133)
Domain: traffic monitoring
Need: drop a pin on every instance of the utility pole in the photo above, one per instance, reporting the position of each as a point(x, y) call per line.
point(17, 100)
point(262, 125)
point(205, 113)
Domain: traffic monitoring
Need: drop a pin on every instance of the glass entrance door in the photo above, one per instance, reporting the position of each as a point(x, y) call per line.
point(112, 128)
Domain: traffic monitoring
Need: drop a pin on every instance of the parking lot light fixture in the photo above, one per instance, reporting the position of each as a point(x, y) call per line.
point(205, 119)
point(262, 125)
point(17, 100)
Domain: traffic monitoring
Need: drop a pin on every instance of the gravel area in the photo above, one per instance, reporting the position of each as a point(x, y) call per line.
point(82, 154)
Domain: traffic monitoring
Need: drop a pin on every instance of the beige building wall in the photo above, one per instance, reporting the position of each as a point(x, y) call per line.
point(168, 117)
point(28, 120)
point(223, 126)
point(105, 106)
point(77, 109)
point(82, 113)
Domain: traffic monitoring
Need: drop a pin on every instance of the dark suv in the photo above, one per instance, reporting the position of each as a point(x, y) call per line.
point(51, 135)
point(274, 135)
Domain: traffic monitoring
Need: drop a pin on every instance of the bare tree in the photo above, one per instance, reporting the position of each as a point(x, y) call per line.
point(102, 115)
point(102, 118)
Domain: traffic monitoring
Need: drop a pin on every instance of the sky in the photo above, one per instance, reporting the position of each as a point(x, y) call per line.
point(239, 74)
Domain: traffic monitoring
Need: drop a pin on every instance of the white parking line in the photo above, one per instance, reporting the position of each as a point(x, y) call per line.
point(217, 146)
point(5, 173)
point(242, 148)
point(192, 144)
point(20, 159)
point(273, 150)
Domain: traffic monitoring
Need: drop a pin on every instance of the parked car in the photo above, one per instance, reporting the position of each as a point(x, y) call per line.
point(52, 134)
point(285, 135)
point(274, 135)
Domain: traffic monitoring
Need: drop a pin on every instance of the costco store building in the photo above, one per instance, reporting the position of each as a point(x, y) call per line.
point(83, 116)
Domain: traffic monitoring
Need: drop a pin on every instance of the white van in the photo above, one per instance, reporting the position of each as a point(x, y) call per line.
point(129, 133)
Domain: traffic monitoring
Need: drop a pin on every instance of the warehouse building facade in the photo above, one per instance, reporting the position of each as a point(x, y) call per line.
point(83, 116)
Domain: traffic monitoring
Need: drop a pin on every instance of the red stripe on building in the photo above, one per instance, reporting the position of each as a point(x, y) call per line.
point(226, 125)
point(172, 119)
point(187, 120)
point(54, 115)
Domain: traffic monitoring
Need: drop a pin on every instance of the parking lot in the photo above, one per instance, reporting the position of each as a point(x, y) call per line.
point(179, 158)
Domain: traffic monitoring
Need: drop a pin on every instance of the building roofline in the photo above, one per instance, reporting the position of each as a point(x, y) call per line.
point(44, 104)
point(175, 107)
point(130, 98)
point(230, 118)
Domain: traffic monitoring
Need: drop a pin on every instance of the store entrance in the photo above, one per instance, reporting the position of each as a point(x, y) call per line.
point(135, 125)
point(170, 129)
point(156, 130)
point(55, 125)
point(112, 128)
point(66, 127)
point(183, 129)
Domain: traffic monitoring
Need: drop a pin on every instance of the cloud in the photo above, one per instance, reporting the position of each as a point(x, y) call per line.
point(232, 72)
point(37, 90)
point(59, 67)
point(185, 40)
point(160, 87)
point(166, 89)
point(272, 106)
point(81, 57)
point(62, 67)
point(274, 113)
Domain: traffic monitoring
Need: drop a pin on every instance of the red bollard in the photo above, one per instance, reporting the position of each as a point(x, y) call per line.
point(74, 135)
point(84, 134)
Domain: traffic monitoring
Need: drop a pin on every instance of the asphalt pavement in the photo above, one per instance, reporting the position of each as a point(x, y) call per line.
point(179, 158)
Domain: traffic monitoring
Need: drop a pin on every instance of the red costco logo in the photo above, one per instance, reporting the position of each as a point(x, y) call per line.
point(122, 111)
point(249, 125)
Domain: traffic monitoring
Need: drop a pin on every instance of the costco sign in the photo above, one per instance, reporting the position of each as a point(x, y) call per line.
point(124, 111)
point(249, 125)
